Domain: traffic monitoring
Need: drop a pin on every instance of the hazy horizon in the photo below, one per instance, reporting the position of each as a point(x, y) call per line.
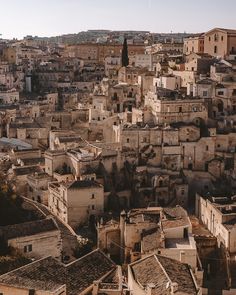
point(57, 17)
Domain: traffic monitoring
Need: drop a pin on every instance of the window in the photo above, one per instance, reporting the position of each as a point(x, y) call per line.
point(28, 248)
point(115, 96)
point(204, 93)
point(207, 148)
point(220, 92)
point(93, 207)
point(222, 38)
point(209, 38)
point(93, 196)
point(215, 49)
point(127, 140)
point(180, 109)
point(190, 166)
point(218, 145)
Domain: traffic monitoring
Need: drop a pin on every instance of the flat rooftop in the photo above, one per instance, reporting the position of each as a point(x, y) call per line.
point(178, 243)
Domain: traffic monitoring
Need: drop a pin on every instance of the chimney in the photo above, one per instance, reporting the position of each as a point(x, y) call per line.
point(182, 256)
point(150, 289)
point(95, 287)
point(174, 287)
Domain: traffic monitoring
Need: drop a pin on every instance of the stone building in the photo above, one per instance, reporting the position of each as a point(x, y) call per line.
point(157, 274)
point(165, 47)
point(97, 52)
point(73, 161)
point(170, 82)
point(112, 65)
point(194, 44)
point(166, 231)
point(38, 187)
point(76, 202)
point(143, 61)
point(123, 97)
point(32, 133)
point(168, 107)
point(218, 215)
point(34, 239)
point(9, 96)
point(48, 276)
point(129, 74)
point(199, 63)
point(220, 42)
point(9, 55)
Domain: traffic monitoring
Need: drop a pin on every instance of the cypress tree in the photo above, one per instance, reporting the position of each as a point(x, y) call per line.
point(124, 57)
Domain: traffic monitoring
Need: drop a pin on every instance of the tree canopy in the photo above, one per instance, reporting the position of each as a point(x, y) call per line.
point(11, 210)
point(125, 56)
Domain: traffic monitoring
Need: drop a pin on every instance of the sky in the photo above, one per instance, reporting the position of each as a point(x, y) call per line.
point(56, 17)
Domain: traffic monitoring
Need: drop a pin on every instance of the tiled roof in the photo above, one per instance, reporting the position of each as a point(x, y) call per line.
point(70, 139)
point(149, 271)
point(174, 217)
point(26, 170)
point(151, 239)
point(233, 31)
point(33, 161)
point(160, 272)
point(48, 274)
point(112, 281)
point(83, 184)
point(206, 81)
point(175, 212)
point(144, 215)
point(25, 125)
point(179, 273)
point(28, 228)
